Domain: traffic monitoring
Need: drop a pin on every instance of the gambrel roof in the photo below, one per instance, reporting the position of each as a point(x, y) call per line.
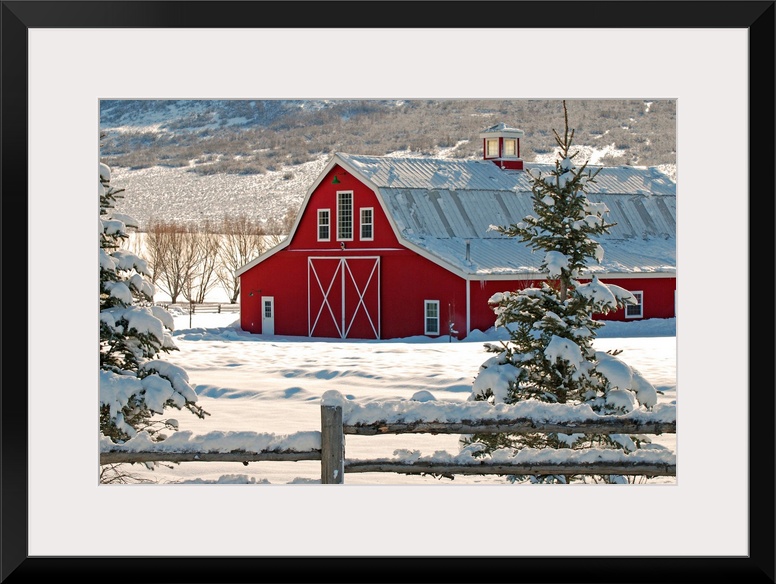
point(444, 209)
point(440, 205)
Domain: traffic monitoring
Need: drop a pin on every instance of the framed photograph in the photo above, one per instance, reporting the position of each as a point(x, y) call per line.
point(715, 58)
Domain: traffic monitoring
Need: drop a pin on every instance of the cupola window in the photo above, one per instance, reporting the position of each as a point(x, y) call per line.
point(501, 145)
point(510, 147)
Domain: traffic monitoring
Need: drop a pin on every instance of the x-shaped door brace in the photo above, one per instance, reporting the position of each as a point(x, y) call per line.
point(341, 269)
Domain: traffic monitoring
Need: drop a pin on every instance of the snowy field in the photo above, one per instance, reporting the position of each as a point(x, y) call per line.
point(274, 385)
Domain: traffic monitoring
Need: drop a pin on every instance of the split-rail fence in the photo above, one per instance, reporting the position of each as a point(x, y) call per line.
point(328, 445)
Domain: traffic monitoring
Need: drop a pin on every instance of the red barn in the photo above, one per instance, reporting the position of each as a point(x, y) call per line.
point(388, 247)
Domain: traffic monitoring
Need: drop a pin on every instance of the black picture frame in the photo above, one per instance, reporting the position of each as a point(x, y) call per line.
point(19, 16)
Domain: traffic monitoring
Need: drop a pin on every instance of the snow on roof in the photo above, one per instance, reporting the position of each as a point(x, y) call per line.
point(440, 204)
point(502, 130)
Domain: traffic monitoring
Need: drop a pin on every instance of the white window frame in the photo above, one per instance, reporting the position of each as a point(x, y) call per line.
point(488, 142)
point(639, 294)
point(426, 305)
point(510, 141)
point(343, 217)
point(327, 224)
point(370, 223)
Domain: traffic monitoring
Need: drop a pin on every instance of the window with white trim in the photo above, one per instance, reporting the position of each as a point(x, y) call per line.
point(510, 147)
point(345, 216)
point(324, 225)
point(367, 220)
point(431, 314)
point(491, 147)
point(635, 310)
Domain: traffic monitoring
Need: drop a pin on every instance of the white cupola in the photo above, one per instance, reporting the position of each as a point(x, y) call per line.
point(501, 144)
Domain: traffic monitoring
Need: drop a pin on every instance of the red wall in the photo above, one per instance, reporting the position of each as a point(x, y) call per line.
point(325, 197)
point(285, 276)
point(658, 298)
point(403, 296)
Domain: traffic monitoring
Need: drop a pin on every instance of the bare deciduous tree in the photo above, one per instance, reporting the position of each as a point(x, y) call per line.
point(242, 240)
point(173, 255)
point(189, 261)
point(201, 279)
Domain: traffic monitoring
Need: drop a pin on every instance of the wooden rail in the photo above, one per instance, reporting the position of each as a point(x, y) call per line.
point(244, 456)
point(513, 468)
point(203, 307)
point(328, 446)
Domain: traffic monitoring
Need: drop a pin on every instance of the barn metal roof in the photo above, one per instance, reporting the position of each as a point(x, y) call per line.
point(440, 204)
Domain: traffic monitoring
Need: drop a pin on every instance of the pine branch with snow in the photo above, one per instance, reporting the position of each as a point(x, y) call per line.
point(135, 386)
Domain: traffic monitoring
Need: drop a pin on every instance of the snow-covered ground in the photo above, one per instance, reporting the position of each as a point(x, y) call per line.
point(275, 384)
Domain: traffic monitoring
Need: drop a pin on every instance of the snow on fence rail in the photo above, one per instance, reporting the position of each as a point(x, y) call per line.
point(200, 308)
point(340, 417)
point(213, 447)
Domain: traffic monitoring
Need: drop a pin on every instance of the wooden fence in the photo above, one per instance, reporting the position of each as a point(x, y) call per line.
point(328, 445)
point(202, 308)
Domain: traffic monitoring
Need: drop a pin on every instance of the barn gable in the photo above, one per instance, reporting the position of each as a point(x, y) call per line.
point(322, 194)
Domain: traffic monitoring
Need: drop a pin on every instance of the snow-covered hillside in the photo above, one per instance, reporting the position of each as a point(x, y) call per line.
point(172, 194)
point(195, 160)
point(191, 115)
point(163, 193)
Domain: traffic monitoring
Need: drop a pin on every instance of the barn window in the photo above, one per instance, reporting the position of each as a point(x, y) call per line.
point(345, 216)
point(510, 147)
point(432, 317)
point(491, 147)
point(635, 310)
point(367, 218)
point(324, 223)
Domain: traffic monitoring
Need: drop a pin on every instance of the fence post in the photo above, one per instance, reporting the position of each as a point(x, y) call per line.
point(332, 446)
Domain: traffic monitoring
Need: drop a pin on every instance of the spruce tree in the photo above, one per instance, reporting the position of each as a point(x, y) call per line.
point(549, 355)
point(135, 386)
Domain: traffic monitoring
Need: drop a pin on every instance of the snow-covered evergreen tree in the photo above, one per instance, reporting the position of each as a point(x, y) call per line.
point(549, 356)
point(134, 386)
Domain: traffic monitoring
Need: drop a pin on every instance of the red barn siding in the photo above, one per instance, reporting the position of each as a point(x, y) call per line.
point(325, 197)
point(401, 296)
point(658, 298)
point(409, 280)
point(406, 280)
point(284, 277)
point(482, 316)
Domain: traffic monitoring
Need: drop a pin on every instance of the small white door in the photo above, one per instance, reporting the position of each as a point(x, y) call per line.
point(268, 315)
